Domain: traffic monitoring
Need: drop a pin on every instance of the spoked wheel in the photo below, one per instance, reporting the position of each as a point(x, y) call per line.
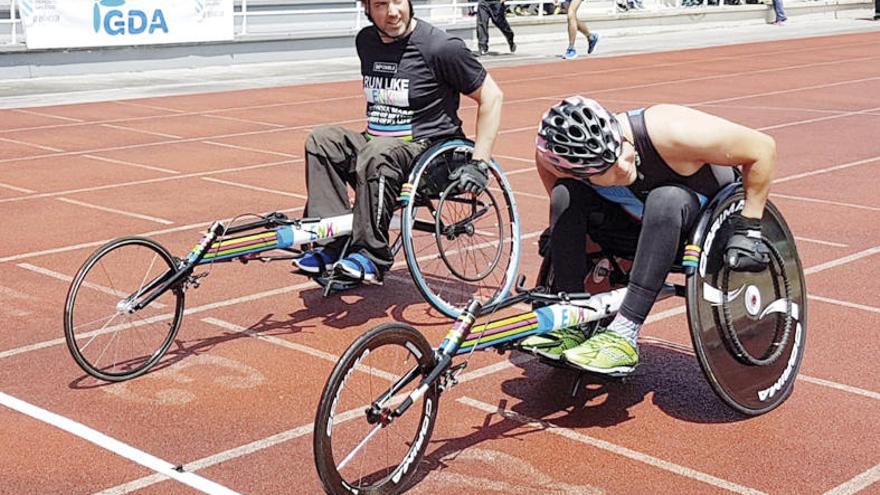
point(459, 246)
point(106, 336)
point(357, 448)
point(748, 329)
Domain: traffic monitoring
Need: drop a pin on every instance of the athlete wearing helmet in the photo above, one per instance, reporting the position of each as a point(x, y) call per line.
point(636, 182)
point(413, 77)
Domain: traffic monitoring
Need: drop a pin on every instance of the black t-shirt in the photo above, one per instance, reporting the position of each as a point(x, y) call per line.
point(413, 86)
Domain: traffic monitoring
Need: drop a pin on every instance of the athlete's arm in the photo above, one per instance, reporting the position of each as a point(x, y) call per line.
point(489, 98)
point(688, 138)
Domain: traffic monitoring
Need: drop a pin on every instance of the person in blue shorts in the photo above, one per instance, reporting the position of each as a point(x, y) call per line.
point(413, 77)
point(635, 182)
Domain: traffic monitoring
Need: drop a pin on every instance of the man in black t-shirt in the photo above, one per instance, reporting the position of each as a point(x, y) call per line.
point(413, 78)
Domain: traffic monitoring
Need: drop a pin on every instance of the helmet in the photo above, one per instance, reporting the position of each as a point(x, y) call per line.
point(579, 137)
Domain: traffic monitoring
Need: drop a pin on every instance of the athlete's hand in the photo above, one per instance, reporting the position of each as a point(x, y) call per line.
point(746, 250)
point(472, 176)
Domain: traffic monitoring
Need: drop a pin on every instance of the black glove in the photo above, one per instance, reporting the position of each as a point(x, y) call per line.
point(746, 251)
point(544, 243)
point(472, 177)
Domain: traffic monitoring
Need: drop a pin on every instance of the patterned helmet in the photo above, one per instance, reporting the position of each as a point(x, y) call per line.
point(579, 137)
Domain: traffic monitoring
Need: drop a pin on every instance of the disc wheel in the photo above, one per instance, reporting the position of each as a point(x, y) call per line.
point(106, 336)
point(748, 329)
point(357, 449)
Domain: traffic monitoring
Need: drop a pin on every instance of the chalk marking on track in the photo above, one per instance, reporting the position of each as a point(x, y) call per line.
point(826, 170)
point(858, 483)
point(254, 188)
point(114, 210)
point(113, 445)
point(637, 456)
point(132, 164)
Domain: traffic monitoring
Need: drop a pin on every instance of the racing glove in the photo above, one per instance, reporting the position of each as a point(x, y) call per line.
point(472, 177)
point(746, 250)
point(544, 243)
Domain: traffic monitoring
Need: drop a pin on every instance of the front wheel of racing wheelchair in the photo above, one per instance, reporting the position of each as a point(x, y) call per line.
point(458, 245)
point(748, 329)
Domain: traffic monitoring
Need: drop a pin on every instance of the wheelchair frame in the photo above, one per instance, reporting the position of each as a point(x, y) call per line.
point(275, 231)
point(750, 385)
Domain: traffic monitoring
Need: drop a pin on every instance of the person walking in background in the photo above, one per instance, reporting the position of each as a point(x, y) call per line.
point(574, 25)
point(492, 9)
point(780, 13)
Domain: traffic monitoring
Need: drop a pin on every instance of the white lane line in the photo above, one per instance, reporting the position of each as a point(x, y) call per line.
point(247, 148)
point(114, 210)
point(67, 278)
point(141, 131)
point(32, 145)
point(16, 189)
point(311, 351)
point(637, 456)
point(254, 188)
point(858, 483)
point(826, 170)
point(824, 243)
point(131, 164)
point(75, 247)
point(246, 121)
point(151, 181)
point(689, 350)
point(842, 261)
point(106, 442)
point(839, 386)
point(514, 158)
point(846, 304)
point(47, 115)
point(824, 201)
point(799, 88)
point(319, 101)
point(819, 119)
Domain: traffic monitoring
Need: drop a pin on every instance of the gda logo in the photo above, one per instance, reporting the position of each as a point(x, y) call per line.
point(117, 21)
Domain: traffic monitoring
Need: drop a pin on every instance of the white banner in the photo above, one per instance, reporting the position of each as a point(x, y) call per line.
point(83, 23)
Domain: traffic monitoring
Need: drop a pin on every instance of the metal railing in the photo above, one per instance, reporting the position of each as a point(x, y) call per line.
point(293, 17)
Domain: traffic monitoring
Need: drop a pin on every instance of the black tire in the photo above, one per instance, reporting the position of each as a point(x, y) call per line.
point(488, 239)
point(749, 330)
point(391, 469)
point(94, 312)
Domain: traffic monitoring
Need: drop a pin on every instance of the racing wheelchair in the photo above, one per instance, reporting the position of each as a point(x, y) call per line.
point(748, 331)
point(125, 304)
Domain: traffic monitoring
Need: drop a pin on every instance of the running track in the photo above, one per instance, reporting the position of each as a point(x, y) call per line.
point(234, 404)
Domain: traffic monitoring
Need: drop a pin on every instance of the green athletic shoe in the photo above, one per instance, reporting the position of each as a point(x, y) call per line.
point(607, 352)
point(551, 345)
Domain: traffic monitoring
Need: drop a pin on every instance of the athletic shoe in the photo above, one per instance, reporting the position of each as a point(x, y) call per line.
point(552, 345)
point(315, 261)
point(606, 352)
point(570, 54)
point(591, 42)
point(358, 267)
point(512, 46)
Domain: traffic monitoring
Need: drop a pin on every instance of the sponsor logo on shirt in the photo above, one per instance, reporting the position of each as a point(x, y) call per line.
point(389, 67)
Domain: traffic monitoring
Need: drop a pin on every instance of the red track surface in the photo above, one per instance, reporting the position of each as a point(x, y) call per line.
point(181, 162)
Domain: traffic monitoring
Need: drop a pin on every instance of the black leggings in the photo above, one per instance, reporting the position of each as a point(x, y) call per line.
point(577, 210)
